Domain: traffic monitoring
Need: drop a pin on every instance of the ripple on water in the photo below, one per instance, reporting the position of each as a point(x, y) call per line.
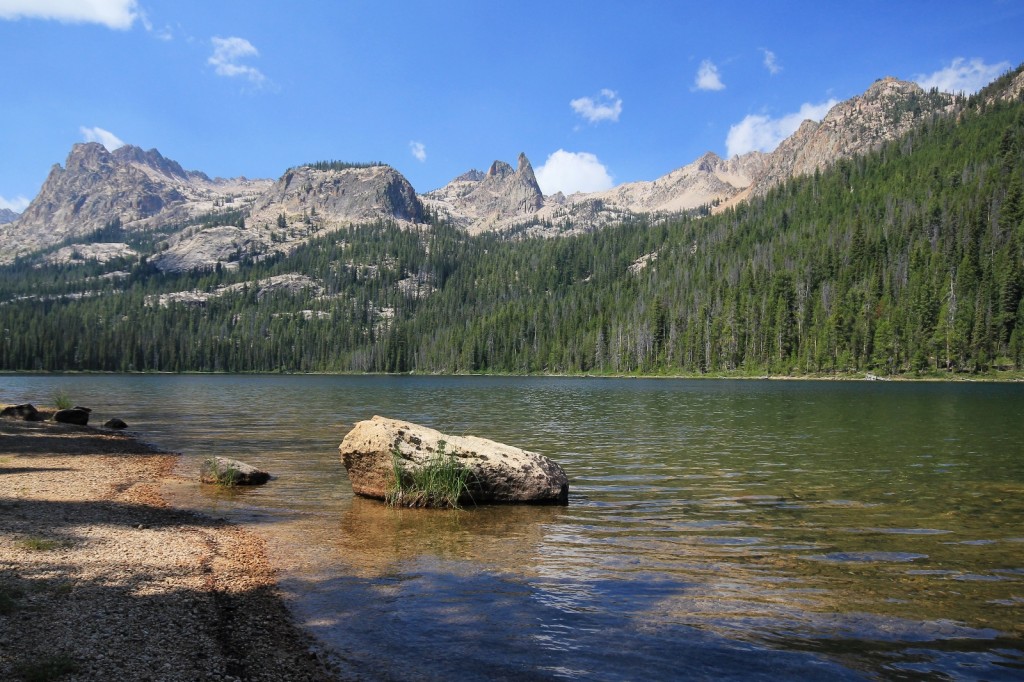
point(867, 557)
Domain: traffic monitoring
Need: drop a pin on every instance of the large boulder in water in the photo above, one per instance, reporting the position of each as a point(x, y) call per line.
point(375, 449)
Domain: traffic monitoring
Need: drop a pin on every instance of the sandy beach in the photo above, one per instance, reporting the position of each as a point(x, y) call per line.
point(101, 580)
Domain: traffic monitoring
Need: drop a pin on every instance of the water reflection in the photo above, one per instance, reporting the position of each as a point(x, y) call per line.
point(372, 538)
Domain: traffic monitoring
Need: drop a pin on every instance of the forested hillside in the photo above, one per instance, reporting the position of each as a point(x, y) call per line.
point(903, 261)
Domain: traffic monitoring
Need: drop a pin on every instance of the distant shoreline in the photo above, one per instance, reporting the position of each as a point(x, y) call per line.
point(1000, 377)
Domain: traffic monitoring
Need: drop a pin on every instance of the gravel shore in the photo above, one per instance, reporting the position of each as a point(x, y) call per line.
point(101, 580)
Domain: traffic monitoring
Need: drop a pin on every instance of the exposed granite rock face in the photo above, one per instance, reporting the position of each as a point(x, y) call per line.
point(337, 197)
point(206, 248)
point(291, 284)
point(494, 200)
point(498, 473)
point(102, 252)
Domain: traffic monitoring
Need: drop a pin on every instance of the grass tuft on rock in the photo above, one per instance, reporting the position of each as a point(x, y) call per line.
point(439, 483)
point(227, 476)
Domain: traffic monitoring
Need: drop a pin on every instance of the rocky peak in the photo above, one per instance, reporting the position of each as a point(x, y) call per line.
point(7, 216)
point(96, 186)
point(152, 159)
point(708, 162)
point(525, 169)
point(87, 156)
point(500, 170)
point(490, 201)
point(472, 175)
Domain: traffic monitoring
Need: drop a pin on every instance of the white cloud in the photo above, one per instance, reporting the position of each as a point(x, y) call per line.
point(419, 150)
point(17, 204)
point(605, 108)
point(764, 133)
point(569, 172)
point(226, 54)
point(963, 76)
point(771, 62)
point(104, 137)
point(707, 77)
point(118, 14)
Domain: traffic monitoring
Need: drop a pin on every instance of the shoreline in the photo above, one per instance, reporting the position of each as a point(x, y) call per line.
point(998, 377)
point(100, 578)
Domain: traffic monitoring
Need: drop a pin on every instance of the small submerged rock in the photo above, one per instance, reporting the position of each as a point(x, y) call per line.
point(115, 423)
point(497, 473)
point(226, 471)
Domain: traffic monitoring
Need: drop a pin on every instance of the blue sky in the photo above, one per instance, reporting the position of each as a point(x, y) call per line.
point(595, 93)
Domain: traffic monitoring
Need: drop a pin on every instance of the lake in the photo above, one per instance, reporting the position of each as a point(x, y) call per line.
point(715, 529)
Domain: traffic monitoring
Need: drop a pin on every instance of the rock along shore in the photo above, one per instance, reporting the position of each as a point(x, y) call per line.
point(101, 580)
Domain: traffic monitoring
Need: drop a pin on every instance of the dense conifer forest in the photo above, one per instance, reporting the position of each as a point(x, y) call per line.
point(906, 261)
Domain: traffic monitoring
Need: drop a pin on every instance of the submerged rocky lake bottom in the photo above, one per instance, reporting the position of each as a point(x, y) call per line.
point(715, 529)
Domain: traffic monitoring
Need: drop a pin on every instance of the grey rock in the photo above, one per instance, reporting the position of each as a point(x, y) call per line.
point(74, 415)
point(498, 473)
point(7, 216)
point(226, 471)
point(26, 412)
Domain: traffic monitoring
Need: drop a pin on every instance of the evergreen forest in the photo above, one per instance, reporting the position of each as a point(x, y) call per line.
point(907, 261)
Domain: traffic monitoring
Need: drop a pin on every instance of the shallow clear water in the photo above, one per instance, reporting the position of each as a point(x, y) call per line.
point(716, 529)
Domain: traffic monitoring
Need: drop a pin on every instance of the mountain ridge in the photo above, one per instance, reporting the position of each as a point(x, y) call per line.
point(145, 192)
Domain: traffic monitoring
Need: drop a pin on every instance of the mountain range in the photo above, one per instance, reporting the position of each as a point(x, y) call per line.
point(139, 204)
point(887, 238)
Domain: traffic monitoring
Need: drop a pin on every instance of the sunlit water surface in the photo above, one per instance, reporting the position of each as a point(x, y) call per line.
point(715, 529)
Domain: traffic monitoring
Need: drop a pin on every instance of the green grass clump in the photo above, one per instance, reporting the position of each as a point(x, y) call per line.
point(41, 544)
point(61, 400)
point(439, 483)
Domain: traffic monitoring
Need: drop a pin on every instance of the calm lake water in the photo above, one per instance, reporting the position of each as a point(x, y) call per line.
point(715, 529)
